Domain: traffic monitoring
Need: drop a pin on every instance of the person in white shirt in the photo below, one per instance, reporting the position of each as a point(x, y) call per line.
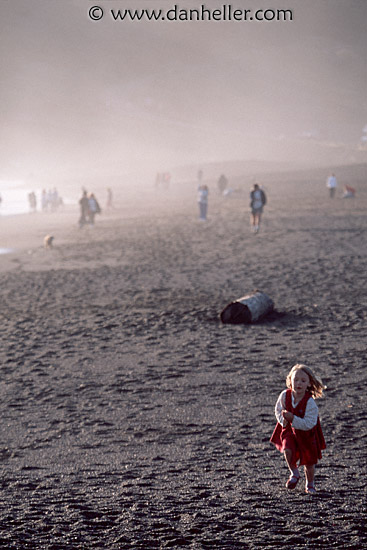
point(203, 194)
point(332, 184)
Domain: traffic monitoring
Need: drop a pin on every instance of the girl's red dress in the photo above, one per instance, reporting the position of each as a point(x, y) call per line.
point(305, 444)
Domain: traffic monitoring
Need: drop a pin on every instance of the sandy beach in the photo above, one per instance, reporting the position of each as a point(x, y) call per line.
point(132, 418)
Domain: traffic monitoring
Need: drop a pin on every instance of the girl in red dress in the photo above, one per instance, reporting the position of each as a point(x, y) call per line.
point(298, 433)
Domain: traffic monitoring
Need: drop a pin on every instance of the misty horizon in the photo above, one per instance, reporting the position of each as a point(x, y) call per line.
point(82, 97)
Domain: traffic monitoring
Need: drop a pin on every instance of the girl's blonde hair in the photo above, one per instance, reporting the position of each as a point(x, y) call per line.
point(316, 386)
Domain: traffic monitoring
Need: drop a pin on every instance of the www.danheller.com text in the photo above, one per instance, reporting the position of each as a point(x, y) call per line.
point(226, 12)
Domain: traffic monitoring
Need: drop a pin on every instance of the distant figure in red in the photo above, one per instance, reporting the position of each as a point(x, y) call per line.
point(163, 179)
point(166, 180)
point(349, 192)
point(298, 433)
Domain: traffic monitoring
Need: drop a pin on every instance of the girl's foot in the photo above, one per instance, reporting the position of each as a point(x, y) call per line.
point(310, 489)
point(292, 481)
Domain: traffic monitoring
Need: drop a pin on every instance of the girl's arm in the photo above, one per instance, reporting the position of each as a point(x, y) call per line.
point(279, 406)
point(310, 418)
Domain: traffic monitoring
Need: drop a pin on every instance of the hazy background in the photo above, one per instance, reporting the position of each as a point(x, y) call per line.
point(96, 99)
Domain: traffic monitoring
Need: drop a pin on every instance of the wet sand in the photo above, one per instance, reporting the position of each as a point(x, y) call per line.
point(133, 419)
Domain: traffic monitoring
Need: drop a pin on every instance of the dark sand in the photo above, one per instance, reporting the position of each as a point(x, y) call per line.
point(133, 419)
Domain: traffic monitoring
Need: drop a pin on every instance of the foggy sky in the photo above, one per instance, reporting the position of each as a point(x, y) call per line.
point(83, 97)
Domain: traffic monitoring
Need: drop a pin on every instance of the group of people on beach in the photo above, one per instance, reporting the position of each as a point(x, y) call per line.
point(258, 197)
point(50, 200)
point(162, 180)
point(89, 208)
point(257, 201)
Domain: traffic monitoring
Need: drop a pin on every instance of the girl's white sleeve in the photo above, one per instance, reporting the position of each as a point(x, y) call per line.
point(310, 418)
point(279, 407)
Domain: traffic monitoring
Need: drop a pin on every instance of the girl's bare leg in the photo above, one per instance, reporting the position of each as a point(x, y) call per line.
point(294, 477)
point(310, 474)
point(288, 455)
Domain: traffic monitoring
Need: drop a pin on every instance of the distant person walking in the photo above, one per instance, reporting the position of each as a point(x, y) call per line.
point(298, 434)
point(93, 208)
point(84, 209)
point(32, 200)
point(203, 195)
point(332, 184)
point(258, 201)
point(109, 198)
point(44, 200)
point(166, 180)
point(222, 183)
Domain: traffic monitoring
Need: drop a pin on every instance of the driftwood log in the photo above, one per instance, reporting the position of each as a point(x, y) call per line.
point(247, 309)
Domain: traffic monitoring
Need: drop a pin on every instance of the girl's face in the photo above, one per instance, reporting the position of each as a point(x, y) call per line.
point(300, 382)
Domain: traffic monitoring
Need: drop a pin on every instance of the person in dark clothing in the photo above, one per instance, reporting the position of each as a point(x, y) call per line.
point(258, 201)
point(93, 208)
point(84, 209)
